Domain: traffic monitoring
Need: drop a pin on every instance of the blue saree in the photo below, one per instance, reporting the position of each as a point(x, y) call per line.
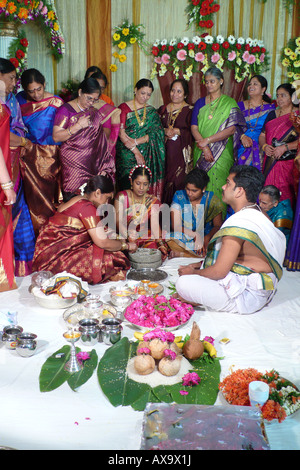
point(282, 217)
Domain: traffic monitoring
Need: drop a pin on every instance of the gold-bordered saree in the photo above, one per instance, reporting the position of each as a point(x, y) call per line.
point(64, 244)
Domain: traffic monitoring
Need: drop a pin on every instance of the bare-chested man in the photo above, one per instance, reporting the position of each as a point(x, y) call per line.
point(245, 257)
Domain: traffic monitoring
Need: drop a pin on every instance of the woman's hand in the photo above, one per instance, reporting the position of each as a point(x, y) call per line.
point(246, 141)
point(279, 151)
point(208, 154)
point(139, 158)
point(84, 121)
point(10, 197)
point(189, 269)
point(269, 150)
point(132, 247)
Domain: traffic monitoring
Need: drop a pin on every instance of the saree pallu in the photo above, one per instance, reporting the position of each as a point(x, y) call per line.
point(280, 173)
point(64, 244)
point(282, 217)
point(7, 278)
point(201, 221)
point(227, 114)
point(152, 151)
point(88, 152)
point(178, 152)
point(24, 237)
point(292, 259)
point(137, 218)
point(255, 120)
point(39, 163)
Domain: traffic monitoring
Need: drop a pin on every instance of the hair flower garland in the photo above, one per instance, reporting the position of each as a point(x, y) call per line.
point(290, 59)
point(43, 13)
point(200, 13)
point(125, 35)
point(186, 56)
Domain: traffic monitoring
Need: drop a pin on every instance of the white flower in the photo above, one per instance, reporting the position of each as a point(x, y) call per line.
point(220, 39)
point(209, 39)
point(196, 40)
point(249, 41)
point(231, 39)
point(156, 43)
point(185, 41)
point(254, 42)
point(164, 42)
point(191, 53)
point(241, 41)
point(173, 42)
point(260, 43)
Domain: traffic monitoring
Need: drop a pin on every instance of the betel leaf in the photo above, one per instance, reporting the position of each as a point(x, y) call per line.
point(120, 390)
point(52, 374)
point(81, 377)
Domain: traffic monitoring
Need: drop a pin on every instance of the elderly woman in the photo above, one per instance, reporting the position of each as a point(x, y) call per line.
point(75, 241)
point(280, 212)
point(85, 150)
point(40, 165)
point(217, 126)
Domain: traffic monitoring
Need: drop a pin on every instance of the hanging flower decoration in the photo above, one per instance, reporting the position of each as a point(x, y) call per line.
point(125, 35)
point(187, 56)
point(43, 13)
point(18, 54)
point(200, 13)
point(290, 59)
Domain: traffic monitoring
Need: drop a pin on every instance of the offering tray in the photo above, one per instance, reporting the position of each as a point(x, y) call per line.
point(144, 329)
point(147, 273)
point(74, 314)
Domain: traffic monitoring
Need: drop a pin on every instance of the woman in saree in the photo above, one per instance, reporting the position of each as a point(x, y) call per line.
point(7, 198)
point(96, 72)
point(280, 212)
point(255, 111)
point(40, 165)
point(176, 120)
point(138, 212)
point(141, 140)
point(217, 126)
point(292, 258)
point(279, 141)
point(74, 240)
point(196, 215)
point(24, 237)
point(85, 150)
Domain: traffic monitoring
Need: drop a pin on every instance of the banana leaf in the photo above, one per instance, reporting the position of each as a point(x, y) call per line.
point(53, 375)
point(121, 390)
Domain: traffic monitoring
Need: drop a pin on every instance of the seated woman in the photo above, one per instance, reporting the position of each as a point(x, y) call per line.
point(137, 212)
point(280, 212)
point(85, 150)
point(196, 215)
point(40, 165)
point(74, 240)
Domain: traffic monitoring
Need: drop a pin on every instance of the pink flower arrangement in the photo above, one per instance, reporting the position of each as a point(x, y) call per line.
point(152, 312)
point(190, 379)
point(231, 56)
point(215, 58)
point(199, 57)
point(209, 339)
point(165, 336)
point(170, 354)
point(165, 59)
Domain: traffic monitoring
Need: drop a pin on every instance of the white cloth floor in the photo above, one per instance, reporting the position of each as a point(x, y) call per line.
point(85, 420)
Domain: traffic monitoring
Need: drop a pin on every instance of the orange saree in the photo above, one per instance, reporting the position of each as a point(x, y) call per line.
point(64, 244)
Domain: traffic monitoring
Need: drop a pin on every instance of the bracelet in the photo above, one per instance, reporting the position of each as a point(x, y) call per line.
point(69, 130)
point(208, 140)
point(263, 147)
point(124, 246)
point(287, 147)
point(23, 141)
point(7, 186)
point(132, 149)
point(243, 135)
point(136, 144)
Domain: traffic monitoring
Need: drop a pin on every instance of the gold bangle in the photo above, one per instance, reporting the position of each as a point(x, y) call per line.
point(23, 141)
point(124, 246)
point(69, 130)
point(263, 147)
point(7, 186)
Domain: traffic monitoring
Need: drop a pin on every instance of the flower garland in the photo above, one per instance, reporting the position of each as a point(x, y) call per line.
point(200, 13)
point(246, 56)
point(43, 12)
point(290, 59)
point(125, 35)
point(284, 398)
point(18, 54)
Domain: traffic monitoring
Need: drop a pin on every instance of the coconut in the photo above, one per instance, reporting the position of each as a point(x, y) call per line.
point(157, 348)
point(144, 364)
point(169, 367)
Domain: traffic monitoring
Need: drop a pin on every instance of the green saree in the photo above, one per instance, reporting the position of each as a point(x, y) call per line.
point(152, 151)
point(226, 113)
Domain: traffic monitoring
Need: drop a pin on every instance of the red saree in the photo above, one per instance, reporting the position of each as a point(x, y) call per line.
point(64, 244)
point(7, 277)
point(280, 173)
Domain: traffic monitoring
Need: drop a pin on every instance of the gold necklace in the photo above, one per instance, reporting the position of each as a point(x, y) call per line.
point(249, 117)
point(172, 116)
point(140, 122)
point(79, 107)
point(211, 106)
point(138, 213)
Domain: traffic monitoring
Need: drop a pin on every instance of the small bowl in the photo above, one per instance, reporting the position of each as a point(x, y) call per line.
point(120, 296)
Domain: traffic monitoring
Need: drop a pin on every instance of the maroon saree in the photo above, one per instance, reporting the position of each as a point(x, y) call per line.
point(64, 244)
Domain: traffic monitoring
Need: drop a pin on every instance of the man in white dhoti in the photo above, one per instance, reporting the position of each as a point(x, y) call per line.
point(244, 258)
